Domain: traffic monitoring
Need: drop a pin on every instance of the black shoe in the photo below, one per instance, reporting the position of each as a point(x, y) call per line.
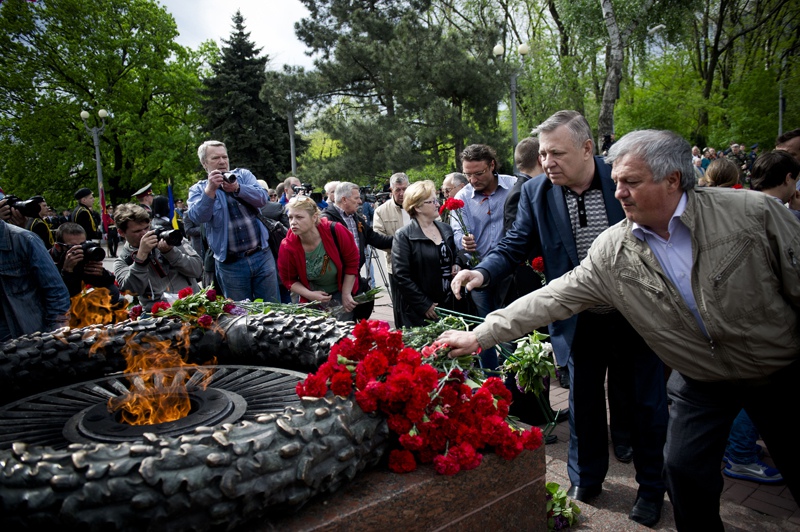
point(624, 453)
point(563, 377)
point(645, 512)
point(550, 439)
point(584, 494)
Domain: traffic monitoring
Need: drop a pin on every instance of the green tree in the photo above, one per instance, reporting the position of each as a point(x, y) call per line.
point(401, 88)
point(256, 136)
point(63, 56)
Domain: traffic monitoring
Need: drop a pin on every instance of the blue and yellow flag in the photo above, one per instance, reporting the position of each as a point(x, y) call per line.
point(173, 215)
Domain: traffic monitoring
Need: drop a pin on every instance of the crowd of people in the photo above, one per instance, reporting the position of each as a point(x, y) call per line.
point(660, 279)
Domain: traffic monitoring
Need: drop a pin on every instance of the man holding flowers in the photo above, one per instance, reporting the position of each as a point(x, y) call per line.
point(478, 226)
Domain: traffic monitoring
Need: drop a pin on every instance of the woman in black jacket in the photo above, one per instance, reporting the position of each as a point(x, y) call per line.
point(423, 257)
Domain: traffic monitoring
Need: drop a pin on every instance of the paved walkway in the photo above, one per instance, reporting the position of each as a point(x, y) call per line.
point(745, 506)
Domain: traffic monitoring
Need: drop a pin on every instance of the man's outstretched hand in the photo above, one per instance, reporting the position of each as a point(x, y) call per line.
point(469, 279)
point(460, 342)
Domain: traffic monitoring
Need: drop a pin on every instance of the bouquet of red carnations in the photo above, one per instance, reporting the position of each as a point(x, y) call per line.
point(455, 205)
point(434, 404)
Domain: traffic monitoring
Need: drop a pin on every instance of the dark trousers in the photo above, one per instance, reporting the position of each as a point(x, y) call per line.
point(113, 241)
point(607, 343)
point(700, 419)
point(396, 310)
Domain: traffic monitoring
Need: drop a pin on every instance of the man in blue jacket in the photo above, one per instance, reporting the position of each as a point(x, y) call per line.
point(561, 213)
point(32, 295)
point(227, 204)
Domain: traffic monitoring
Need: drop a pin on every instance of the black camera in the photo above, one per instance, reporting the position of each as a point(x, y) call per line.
point(304, 188)
point(229, 177)
point(92, 251)
point(173, 237)
point(367, 195)
point(30, 207)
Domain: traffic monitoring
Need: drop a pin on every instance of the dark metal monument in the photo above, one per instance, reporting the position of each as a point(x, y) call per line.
point(249, 448)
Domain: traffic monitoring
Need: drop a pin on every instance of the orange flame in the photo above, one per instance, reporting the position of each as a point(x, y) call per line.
point(93, 306)
point(155, 396)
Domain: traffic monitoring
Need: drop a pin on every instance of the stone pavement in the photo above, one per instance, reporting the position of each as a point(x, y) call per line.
point(745, 506)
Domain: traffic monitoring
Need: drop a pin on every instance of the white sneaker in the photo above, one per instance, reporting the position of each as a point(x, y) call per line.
point(757, 472)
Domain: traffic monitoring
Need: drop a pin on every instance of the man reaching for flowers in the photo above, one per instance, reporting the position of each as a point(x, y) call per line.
point(711, 280)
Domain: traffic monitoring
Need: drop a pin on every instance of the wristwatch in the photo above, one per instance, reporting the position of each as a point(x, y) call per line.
point(139, 261)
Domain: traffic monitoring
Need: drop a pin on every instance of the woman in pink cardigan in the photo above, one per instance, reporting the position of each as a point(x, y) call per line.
point(318, 260)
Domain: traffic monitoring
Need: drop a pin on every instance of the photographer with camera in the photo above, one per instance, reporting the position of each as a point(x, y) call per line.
point(153, 262)
point(291, 186)
point(227, 203)
point(15, 211)
point(81, 261)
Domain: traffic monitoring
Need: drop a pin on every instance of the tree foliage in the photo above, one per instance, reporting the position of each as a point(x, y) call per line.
point(63, 56)
point(255, 136)
point(402, 88)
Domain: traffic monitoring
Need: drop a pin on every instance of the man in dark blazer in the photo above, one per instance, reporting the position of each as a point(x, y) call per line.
point(561, 213)
point(345, 211)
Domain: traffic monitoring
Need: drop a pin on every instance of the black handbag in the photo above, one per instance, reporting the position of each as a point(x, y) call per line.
point(276, 230)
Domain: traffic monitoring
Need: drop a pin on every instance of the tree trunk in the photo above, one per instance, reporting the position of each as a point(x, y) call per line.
point(617, 41)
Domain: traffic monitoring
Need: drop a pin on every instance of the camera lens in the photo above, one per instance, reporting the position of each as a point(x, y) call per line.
point(93, 252)
point(229, 177)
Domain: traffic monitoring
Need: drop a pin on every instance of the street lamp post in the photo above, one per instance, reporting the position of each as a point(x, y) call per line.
point(96, 132)
point(522, 50)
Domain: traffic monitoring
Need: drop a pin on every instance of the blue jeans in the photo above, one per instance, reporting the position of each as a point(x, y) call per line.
point(252, 278)
point(742, 440)
point(486, 302)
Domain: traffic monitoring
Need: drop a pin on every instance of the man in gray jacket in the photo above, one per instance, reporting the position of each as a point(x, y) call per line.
point(711, 280)
point(149, 266)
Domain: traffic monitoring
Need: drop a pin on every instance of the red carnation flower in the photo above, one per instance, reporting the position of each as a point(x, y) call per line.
point(446, 465)
point(532, 439)
point(211, 295)
point(538, 264)
point(366, 400)
point(205, 321)
point(402, 461)
point(342, 383)
point(453, 204)
point(159, 306)
point(135, 312)
point(315, 386)
point(185, 292)
point(412, 443)
point(228, 307)
point(399, 424)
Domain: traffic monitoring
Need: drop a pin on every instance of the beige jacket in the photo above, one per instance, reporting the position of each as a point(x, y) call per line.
point(745, 278)
point(388, 218)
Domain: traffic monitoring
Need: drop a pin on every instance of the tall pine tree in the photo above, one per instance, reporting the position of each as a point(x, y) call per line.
point(256, 137)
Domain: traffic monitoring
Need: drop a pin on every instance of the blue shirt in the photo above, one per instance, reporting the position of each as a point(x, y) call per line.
point(674, 256)
point(483, 215)
point(33, 297)
point(213, 212)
